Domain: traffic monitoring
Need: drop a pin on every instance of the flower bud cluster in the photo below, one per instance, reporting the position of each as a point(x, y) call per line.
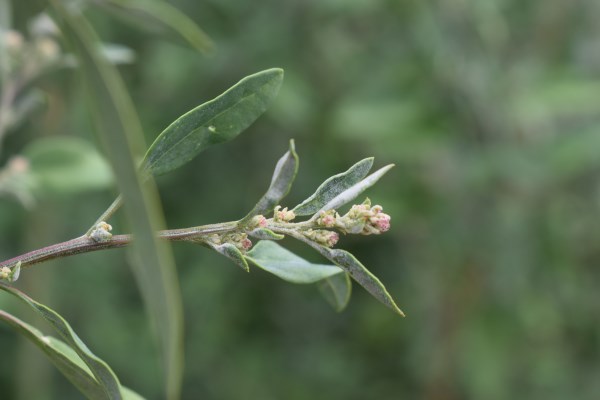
point(10, 275)
point(239, 240)
point(361, 219)
point(101, 232)
point(322, 236)
point(283, 215)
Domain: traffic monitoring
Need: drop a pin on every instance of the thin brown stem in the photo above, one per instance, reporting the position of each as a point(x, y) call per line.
point(85, 244)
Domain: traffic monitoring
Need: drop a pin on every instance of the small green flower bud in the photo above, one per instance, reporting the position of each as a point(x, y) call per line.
point(101, 232)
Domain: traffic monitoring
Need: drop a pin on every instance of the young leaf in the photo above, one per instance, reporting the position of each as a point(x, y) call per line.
point(105, 377)
point(214, 122)
point(159, 16)
point(333, 186)
point(281, 182)
point(233, 253)
point(279, 261)
point(120, 129)
point(351, 193)
point(65, 359)
point(265, 234)
point(336, 289)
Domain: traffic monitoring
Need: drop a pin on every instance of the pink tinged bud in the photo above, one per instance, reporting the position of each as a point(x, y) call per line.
point(332, 239)
point(246, 244)
point(259, 221)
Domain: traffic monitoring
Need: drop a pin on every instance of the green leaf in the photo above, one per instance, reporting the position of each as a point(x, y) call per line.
point(281, 262)
point(333, 186)
point(357, 271)
point(265, 234)
point(67, 165)
point(216, 121)
point(102, 373)
point(337, 290)
point(233, 253)
point(61, 355)
point(161, 17)
point(65, 359)
point(351, 193)
point(281, 183)
point(116, 118)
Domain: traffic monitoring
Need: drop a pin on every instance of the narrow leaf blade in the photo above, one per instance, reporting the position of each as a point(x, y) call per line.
point(354, 191)
point(105, 377)
point(281, 183)
point(61, 355)
point(281, 262)
point(333, 186)
point(336, 289)
point(117, 120)
point(216, 121)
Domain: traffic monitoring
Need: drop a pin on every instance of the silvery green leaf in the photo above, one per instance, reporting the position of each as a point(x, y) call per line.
point(334, 186)
point(233, 253)
point(357, 271)
point(265, 234)
point(281, 262)
point(336, 289)
point(351, 193)
point(213, 122)
point(281, 182)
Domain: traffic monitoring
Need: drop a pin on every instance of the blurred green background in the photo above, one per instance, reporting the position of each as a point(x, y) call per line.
point(490, 111)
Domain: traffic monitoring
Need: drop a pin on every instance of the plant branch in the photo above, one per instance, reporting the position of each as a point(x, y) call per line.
point(85, 244)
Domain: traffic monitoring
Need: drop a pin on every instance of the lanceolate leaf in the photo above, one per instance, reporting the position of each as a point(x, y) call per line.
point(283, 177)
point(159, 16)
point(357, 271)
point(337, 290)
point(281, 262)
point(351, 193)
point(214, 122)
point(120, 128)
point(234, 254)
point(101, 371)
point(65, 359)
point(333, 186)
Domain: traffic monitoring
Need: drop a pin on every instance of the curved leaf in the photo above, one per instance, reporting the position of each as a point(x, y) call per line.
point(357, 271)
point(281, 262)
point(214, 122)
point(333, 186)
point(65, 359)
point(159, 16)
point(101, 371)
point(351, 193)
point(265, 234)
point(337, 290)
point(281, 182)
point(233, 253)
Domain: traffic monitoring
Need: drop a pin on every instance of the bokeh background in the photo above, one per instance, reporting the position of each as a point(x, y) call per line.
point(490, 111)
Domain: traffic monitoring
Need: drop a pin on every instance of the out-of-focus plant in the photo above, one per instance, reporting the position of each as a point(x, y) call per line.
point(67, 165)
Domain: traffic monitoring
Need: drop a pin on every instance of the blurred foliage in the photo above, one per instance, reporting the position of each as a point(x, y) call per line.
point(490, 111)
